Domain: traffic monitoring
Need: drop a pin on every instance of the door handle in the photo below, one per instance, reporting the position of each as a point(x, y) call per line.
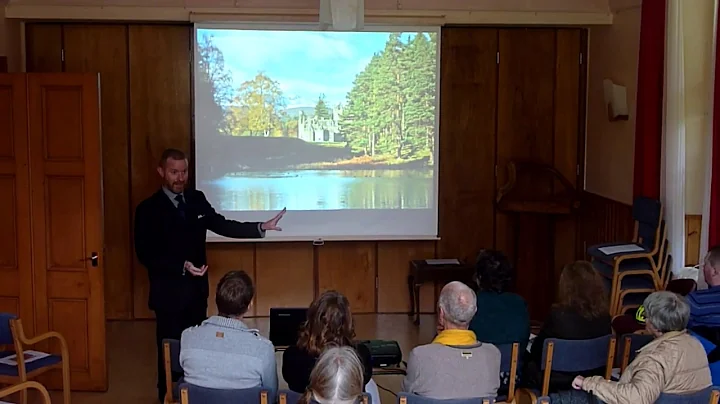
point(93, 258)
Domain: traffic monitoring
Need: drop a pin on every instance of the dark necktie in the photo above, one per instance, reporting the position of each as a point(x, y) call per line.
point(181, 204)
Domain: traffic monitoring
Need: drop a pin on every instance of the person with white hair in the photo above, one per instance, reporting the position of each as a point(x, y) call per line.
point(455, 364)
point(673, 363)
point(337, 378)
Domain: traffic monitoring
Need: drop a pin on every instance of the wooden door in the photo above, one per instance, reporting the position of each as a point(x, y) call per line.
point(66, 187)
point(15, 254)
point(539, 85)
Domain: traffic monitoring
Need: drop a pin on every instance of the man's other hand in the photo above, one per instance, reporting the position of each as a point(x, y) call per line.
point(272, 224)
point(195, 270)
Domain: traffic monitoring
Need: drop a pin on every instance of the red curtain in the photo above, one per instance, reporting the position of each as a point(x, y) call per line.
point(649, 115)
point(714, 222)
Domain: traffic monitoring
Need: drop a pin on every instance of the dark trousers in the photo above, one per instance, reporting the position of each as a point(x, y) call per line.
point(169, 325)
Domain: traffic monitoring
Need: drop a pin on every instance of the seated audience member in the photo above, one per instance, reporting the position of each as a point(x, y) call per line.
point(502, 316)
point(329, 323)
point(674, 363)
point(455, 364)
point(582, 312)
point(705, 304)
point(223, 353)
point(337, 378)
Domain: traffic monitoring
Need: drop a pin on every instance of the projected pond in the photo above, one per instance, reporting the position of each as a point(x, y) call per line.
point(316, 120)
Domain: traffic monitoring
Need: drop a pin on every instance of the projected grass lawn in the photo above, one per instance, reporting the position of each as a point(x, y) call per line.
point(316, 120)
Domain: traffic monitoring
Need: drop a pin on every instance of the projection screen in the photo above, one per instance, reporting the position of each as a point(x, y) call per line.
point(340, 128)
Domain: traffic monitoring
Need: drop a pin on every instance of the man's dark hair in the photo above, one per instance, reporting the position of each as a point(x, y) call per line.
point(174, 154)
point(713, 255)
point(493, 272)
point(234, 293)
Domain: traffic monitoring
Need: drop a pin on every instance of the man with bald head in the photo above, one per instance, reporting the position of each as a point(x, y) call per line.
point(455, 364)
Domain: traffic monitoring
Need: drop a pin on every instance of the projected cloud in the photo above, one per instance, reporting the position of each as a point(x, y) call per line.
point(316, 120)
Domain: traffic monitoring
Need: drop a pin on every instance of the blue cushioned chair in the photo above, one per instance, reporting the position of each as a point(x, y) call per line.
point(13, 335)
point(649, 236)
point(23, 388)
point(700, 397)
point(628, 347)
point(291, 397)
point(407, 398)
point(510, 362)
point(191, 394)
point(647, 214)
point(572, 356)
point(171, 358)
point(638, 277)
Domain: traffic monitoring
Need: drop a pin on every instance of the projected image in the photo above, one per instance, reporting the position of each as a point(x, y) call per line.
point(316, 120)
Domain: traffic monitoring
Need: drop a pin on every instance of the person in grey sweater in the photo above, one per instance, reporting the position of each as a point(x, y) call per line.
point(223, 352)
point(455, 364)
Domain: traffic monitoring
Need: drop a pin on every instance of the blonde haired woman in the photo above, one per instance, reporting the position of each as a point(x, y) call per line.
point(337, 378)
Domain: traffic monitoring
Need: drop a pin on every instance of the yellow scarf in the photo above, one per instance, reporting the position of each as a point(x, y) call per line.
point(456, 338)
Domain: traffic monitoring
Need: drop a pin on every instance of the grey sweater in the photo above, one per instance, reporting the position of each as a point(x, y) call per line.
point(444, 372)
point(223, 353)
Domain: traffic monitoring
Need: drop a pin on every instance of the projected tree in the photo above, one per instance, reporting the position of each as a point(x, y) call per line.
point(258, 108)
point(390, 109)
point(321, 109)
point(214, 87)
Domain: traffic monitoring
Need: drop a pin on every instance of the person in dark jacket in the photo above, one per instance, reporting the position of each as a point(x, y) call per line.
point(582, 312)
point(502, 316)
point(170, 230)
point(329, 324)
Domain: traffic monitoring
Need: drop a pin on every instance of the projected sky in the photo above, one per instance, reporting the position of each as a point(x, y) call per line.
point(304, 63)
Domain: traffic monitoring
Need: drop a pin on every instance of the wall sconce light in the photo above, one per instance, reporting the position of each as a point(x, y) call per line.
point(615, 101)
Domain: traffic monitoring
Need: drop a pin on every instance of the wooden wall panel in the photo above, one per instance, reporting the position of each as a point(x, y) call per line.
point(567, 133)
point(16, 279)
point(349, 268)
point(284, 276)
point(393, 263)
point(99, 49)
point(223, 258)
point(160, 115)
point(693, 227)
point(525, 132)
point(43, 48)
point(602, 220)
point(467, 141)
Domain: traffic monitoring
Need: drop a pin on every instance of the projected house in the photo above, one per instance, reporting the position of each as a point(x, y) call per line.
point(318, 130)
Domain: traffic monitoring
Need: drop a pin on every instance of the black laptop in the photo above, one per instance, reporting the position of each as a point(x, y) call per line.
point(285, 324)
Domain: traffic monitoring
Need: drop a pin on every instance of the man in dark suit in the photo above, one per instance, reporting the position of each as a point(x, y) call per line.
point(170, 230)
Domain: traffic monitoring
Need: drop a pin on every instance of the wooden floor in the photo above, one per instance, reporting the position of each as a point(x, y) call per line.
point(132, 363)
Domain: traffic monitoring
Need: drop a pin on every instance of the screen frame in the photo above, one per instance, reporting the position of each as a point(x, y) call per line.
point(282, 26)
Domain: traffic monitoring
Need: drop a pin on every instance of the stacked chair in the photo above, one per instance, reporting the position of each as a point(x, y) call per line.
point(637, 272)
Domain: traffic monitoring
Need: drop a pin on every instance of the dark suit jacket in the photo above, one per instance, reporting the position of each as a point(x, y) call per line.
point(164, 240)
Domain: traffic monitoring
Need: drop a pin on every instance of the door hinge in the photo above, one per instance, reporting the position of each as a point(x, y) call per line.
point(62, 55)
point(581, 58)
point(496, 170)
point(578, 170)
point(377, 283)
point(497, 57)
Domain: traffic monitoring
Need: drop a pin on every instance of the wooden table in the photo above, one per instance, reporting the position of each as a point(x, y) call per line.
point(421, 272)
